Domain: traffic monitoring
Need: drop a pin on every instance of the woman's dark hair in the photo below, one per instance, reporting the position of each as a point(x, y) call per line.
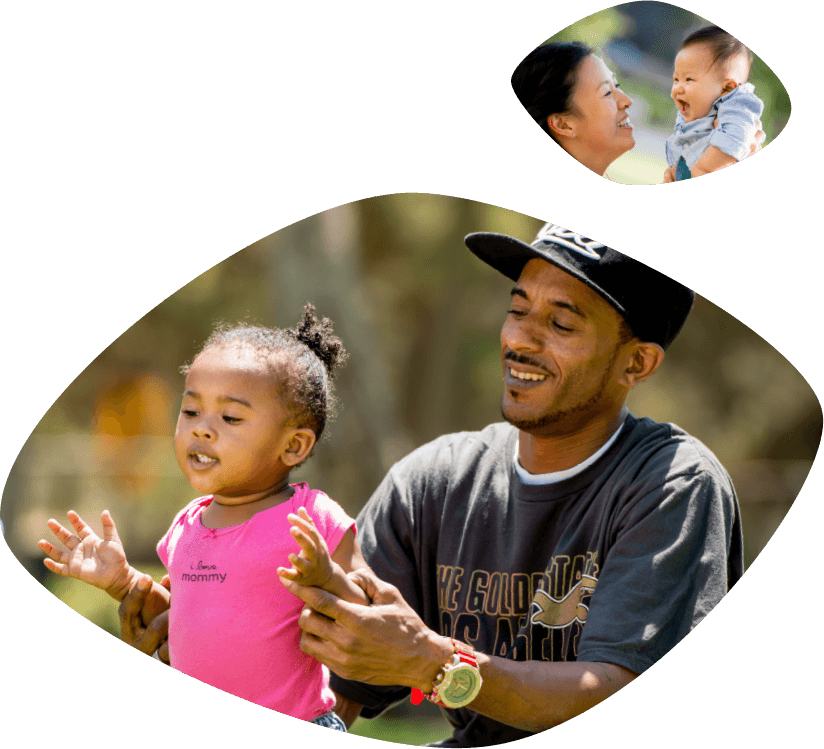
point(305, 359)
point(545, 79)
point(723, 46)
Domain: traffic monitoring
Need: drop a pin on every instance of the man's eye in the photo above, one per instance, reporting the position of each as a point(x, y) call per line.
point(232, 420)
point(517, 312)
point(561, 327)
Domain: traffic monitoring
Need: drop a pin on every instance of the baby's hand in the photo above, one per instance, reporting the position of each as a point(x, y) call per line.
point(313, 568)
point(98, 561)
point(669, 175)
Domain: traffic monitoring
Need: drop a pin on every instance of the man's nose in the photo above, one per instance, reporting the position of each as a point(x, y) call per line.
point(520, 335)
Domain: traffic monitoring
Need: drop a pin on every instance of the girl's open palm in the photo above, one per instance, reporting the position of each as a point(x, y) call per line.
point(313, 567)
point(98, 561)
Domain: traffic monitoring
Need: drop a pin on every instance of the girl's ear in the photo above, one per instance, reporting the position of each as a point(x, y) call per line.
point(298, 446)
point(562, 125)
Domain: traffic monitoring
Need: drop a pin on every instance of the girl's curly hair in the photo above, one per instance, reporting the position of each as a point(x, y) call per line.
point(305, 359)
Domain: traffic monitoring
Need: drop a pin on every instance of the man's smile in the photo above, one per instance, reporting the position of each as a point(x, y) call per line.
point(520, 369)
point(527, 376)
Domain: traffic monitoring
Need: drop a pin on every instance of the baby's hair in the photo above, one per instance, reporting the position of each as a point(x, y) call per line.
point(305, 359)
point(724, 47)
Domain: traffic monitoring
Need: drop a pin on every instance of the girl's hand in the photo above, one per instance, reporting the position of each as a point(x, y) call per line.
point(313, 568)
point(98, 561)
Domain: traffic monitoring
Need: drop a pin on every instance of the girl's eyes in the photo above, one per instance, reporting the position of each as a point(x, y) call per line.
point(190, 414)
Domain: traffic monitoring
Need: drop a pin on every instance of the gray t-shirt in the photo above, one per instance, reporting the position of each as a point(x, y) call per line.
point(616, 564)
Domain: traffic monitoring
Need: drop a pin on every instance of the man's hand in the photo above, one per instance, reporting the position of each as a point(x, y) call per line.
point(385, 643)
point(140, 599)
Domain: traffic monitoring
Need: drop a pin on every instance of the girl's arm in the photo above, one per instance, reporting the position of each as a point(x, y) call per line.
point(315, 567)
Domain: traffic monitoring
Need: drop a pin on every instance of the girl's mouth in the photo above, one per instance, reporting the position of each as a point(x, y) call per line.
point(202, 460)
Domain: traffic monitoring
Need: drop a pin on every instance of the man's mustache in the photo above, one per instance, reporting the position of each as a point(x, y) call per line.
point(513, 356)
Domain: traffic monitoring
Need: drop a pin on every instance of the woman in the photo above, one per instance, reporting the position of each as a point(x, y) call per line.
point(571, 93)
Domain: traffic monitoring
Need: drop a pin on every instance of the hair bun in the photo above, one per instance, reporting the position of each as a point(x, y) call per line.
point(319, 337)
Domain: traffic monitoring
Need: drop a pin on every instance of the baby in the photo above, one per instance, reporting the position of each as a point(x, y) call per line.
point(255, 402)
point(718, 112)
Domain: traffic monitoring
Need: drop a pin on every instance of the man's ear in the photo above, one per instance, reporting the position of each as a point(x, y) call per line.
point(644, 359)
point(298, 446)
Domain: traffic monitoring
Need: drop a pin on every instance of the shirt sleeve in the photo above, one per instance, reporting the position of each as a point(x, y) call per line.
point(330, 518)
point(669, 566)
point(737, 118)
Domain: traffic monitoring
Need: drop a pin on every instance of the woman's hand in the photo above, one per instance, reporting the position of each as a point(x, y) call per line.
point(757, 141)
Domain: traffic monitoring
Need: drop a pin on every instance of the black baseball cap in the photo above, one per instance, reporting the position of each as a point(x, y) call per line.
point(654, 306)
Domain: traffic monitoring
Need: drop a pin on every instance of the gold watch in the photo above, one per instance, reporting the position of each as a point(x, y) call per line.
point(457, 683)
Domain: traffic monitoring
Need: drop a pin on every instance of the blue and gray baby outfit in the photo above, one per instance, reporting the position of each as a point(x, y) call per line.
point(737, 113)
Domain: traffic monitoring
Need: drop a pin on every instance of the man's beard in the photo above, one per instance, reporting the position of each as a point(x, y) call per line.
point(546, 421)
point(541, 423)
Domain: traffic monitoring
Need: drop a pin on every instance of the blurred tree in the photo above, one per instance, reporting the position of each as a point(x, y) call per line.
point(127, 405)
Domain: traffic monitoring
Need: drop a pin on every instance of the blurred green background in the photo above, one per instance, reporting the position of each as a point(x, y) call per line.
point(639, 41)
point(421, 318)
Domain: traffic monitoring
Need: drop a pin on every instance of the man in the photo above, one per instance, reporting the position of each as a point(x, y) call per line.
point(528, 571)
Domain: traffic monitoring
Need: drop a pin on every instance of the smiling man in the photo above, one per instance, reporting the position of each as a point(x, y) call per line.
point(523, 573)
point(526, 572)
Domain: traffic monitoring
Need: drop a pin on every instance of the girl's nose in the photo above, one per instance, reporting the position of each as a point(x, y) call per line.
point(202, 431)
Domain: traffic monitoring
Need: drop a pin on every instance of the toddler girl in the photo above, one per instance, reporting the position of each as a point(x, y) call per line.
point(718, 112)
point(255, 403)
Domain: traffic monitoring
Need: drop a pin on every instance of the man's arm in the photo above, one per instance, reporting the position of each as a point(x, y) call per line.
point(536, 695)
point(347, 710)
point(388, 644)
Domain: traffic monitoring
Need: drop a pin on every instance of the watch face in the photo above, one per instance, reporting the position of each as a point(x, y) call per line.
point(462, 688)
